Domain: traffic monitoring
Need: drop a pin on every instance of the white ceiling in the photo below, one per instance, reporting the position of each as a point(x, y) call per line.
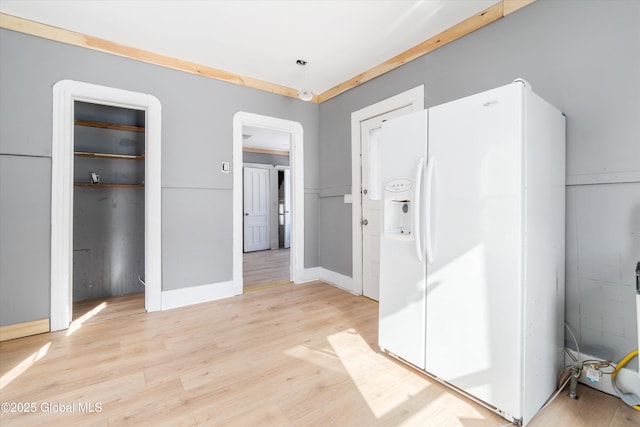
point(261, 39)
point(266, 139)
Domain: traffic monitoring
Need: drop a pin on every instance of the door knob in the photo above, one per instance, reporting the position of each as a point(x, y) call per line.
point(364, 222)
point(246, 214)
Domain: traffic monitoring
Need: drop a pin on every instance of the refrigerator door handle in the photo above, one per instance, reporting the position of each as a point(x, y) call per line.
point(416, 210)
point(429, 184)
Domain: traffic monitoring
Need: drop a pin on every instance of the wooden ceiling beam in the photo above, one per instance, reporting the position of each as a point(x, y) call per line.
point(76, 39)
point(486, 17)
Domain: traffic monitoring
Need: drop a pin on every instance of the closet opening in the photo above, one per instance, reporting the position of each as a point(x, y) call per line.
point(108, 211)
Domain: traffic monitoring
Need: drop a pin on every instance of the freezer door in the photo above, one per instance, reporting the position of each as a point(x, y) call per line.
point(473, 338)
point(402, 272)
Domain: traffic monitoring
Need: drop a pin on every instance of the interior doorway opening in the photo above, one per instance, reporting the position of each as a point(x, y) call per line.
point(65, 95)
point(266, 208)
point(245, 128)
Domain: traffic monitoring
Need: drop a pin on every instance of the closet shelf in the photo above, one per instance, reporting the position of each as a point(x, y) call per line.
point(108, 155)
point(104, 125)
point(87, 184)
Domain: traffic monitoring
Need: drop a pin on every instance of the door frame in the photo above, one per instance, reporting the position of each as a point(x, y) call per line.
point(65, 93)
point(296, 162)
point(412, 97)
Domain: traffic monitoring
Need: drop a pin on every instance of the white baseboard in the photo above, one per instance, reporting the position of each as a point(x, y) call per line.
point(197, 294)
point(308, 275)
point(627, 379)
point(213, 291)
point(336, 279)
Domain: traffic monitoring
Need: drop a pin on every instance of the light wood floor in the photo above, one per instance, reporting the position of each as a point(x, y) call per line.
point(263, 269)
point(295, 355)
point(101, 309)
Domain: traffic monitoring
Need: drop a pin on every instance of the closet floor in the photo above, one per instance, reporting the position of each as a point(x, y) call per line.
point(98, 310)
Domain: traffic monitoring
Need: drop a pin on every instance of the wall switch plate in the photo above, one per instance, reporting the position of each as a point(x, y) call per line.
point(225, 167)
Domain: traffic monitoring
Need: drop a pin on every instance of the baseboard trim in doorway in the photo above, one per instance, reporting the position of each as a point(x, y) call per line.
point(197, 294)
point(336, 279)
point(308, 275)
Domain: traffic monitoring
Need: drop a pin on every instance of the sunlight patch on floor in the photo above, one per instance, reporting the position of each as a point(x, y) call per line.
point(22, 367)
point(358, 359)
point(77, 324)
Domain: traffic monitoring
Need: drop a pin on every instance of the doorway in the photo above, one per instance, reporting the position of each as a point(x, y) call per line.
point(266, 209)
point(245, 126)
point(363, 124)
point(65, 94)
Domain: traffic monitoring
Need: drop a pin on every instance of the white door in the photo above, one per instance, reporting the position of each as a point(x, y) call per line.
point(256, 209)
point(287, 208)
point(371, 195)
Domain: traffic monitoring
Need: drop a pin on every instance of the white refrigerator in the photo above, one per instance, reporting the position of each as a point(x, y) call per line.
point(472, 246)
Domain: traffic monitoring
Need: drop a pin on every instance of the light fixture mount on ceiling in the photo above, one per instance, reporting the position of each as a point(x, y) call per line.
point(304, 94)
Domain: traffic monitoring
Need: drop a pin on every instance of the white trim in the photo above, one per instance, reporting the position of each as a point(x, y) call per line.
point(413, 97)
point(65, 92)
point(338, 280)
point(309, 275)
point(296, 161)
point(604, 178)
point(196, 294)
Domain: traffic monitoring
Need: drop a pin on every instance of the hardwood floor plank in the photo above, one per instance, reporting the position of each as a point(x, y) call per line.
point(263, 269)
point(623, 417)
point(294, 355)
point(110, 307)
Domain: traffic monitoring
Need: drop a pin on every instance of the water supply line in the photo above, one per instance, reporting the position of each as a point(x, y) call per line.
point(628, 397)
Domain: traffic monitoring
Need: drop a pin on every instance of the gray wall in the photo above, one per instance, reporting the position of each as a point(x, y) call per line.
point(582, 56)
point(197, 116)
point(108, 242)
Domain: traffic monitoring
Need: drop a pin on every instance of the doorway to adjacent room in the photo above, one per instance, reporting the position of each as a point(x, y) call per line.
point(268, 202)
